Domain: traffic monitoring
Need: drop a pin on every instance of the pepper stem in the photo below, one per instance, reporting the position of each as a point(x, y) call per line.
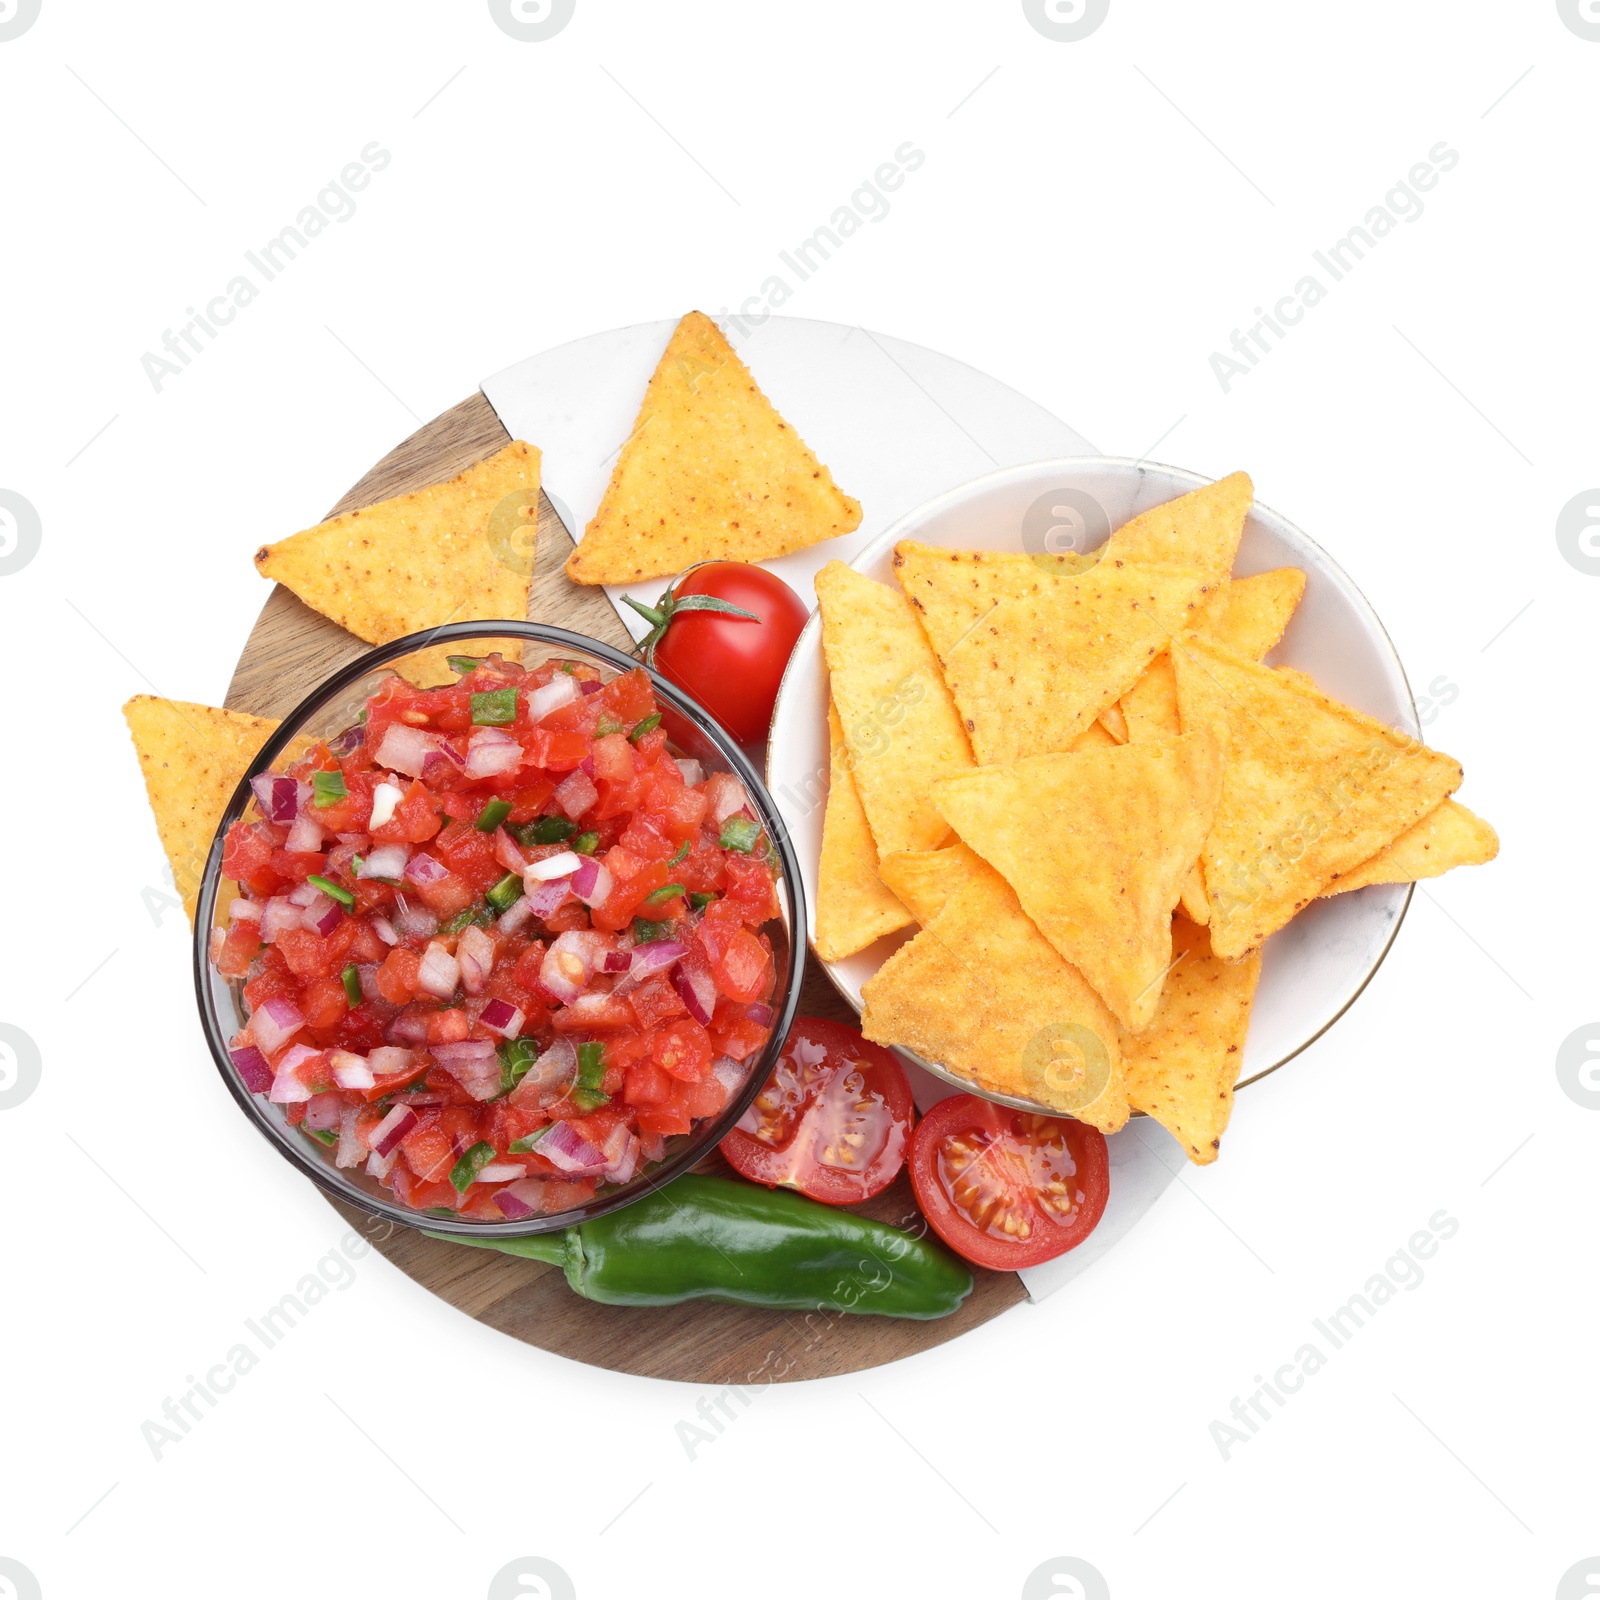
point(552, 1247)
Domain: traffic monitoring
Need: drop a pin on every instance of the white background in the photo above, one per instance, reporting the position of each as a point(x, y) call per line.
point(1077, 235)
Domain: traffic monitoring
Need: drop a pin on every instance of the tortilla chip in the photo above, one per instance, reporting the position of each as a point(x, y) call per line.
point(1039, 668)
point(899, 723)
point(447, 553)
point(1199, 529)
point(1113, 721)
point(193, 758)
point(924, 880)
point(1181, 1069)
point(1094, 737)
point(1256, 610)
point(710, 472)
point(981, 993)
point(1449, 836)
point(1311, 789)
point(853, 906)
point(1097, 847)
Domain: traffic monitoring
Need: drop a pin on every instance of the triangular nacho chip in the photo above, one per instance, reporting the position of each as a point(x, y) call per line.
point(899, 723)
point(1311, 788)
point(192, 757)
point(447, 553)
point(1097, 846)
point(980, 992)
point(710, 472)
point(1036, 670)
point(924, 880)
point(1449, 836)
point(1181, 1070)
point(853, 906)
point(1256, 610)
point(953, 589)
point(1198, 529)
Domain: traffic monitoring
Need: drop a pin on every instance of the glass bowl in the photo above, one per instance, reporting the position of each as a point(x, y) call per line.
point(333, 708)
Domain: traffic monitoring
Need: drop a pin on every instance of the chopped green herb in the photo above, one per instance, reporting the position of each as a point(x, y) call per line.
point(465, 1172)
point(493, 708)
point(355, 866)
point(521, 1147)
point(480, 914)
point(546, 830)
point(462, 665)
point(437, 1211)
point(517, 1056)
point(667, 891)
point(647, 932)
point(739, 833)
point(679, 853)
point(586, 1091)
point(327, 788)
point(607, 725)
point(492, 816)
point(506, 893)
point(328, 887)
point(569, 667)
point(351, 979)
point(585, 842)
point(323, 1135)
point(701, 901)
point(640, 729)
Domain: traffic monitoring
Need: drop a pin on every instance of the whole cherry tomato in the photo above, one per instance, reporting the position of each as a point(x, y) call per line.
point(724, 634)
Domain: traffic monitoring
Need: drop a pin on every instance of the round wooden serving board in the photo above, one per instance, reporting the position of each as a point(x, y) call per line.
point(290, 651)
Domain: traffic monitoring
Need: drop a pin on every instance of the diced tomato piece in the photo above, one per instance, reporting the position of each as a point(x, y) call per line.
point(397, 977)
point(451, 894)
point(323, 1004)
point(306, 953)
point(733, 1033)
point(556, 750)
point(247, 853)
point(570, 917)
point(429, 1152)
point(363, 1028)
point(468, 853)
point(422, 1196)
point(295, 866)
point(629, 697)
point(528, 799)
point(594, 1013)
point(613, 759)
point(562, 1194)
point(665, 1119)
point(646, 1085)
point(750, 888)
point(240, 947)
point(705, 1099)
point(415, 819)
point(683, 1048)
point(655, 1000)
point(448, 1027)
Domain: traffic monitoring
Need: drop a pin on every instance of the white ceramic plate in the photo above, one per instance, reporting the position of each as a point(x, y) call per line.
point(1313, 969)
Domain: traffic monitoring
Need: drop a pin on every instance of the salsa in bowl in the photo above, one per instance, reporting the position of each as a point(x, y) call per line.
point(501, 954)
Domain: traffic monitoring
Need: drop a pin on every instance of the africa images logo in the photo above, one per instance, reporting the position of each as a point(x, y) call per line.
point(16, 17)
point(1066, 21)
point(532, 21)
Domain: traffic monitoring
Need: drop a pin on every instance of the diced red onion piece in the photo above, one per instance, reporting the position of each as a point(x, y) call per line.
point(322, 915)
point(274, 1022)
point(323, 1112)
point(727, 796)
point(550, 1075)
point(567, 966)
point(348, 741)
point(512, 1206)
point(760, 1014)
point(473, 1064)
point(386, 1060)
point(567, 1150)
point(287, 1088)
point(622, 1167)
point(576, 793)
point(394, 1127)
point(562, 690)
point(422, 870)
point(440, 972)
point(351, 1152)
point(303, 895)
point(381, 1166)
point(503, 1018)
point(492, 753)
point(590, 685)
point(593, 887)
point(387, 861)
point(692, 771)
point(367, 977)
point(648, 959)
point(730, 1074)
point(278, 915)
point(548, 897)
point(405, 749)
point(278, 798)
point(502, 1172)
point(384, 799)
point(616, 961)
point(350, 1071)
point(415, 922)
point(562, 865)
point(475, 957)
point(586, 767)
point(512, 921)
point(243, 910)
point(252, 1068)
point(305, 834)
point(508, 852)
point(411, 1029)
point(214, 943)
point(385, 930)
point(697, 992)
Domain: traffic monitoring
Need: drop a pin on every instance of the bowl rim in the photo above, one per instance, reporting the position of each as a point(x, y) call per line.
point(701, 1143)
point(949, 498)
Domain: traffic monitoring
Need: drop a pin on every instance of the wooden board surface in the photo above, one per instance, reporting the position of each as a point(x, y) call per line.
point(290, 651)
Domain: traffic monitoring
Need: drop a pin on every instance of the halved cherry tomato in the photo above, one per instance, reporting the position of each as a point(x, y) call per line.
point(1004, 1188)
point(833, 1121)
